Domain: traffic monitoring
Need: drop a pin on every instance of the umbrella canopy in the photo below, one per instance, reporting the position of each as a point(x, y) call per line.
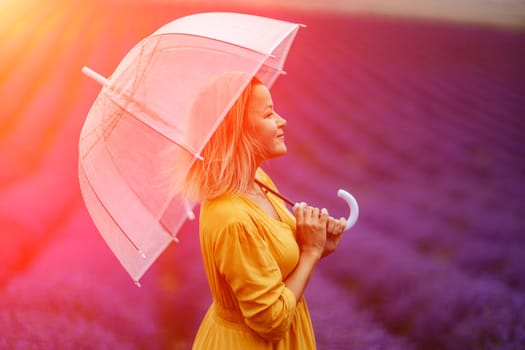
point(147, 126)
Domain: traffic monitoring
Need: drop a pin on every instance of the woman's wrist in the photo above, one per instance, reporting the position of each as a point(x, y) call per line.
point(311, 254)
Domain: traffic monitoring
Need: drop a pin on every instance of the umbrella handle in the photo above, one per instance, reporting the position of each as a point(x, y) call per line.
point(352, 204)
point(347, 197)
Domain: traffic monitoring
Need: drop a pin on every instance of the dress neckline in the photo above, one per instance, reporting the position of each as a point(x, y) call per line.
point(278, 219)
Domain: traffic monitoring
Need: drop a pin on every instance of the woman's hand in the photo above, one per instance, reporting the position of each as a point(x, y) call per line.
point(312, 225)
point(334, 230)
point(310, 235)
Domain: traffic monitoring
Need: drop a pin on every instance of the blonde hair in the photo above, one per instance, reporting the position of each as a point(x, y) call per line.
point(230, 156)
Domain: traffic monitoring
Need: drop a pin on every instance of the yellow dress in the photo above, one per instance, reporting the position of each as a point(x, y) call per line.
point(247, 255)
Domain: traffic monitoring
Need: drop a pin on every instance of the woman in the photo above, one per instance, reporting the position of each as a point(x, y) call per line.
point(258, 257)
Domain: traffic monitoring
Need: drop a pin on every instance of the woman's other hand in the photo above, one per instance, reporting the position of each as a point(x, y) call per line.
point(334, 232)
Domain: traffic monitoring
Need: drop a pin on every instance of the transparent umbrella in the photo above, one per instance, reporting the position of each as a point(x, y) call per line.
point(148, 124)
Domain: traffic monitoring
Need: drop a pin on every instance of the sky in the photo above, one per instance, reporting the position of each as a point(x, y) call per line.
point(494, 12)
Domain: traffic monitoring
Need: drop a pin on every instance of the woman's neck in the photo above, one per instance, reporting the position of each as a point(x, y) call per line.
point(253, 186)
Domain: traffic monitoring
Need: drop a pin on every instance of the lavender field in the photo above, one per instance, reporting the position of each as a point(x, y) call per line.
point(422, 121)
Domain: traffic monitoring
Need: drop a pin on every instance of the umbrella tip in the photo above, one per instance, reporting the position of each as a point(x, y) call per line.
point(95, 76)
point(189, 211)
point(137, 283)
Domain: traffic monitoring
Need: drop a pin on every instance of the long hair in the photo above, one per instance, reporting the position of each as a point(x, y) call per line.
point(230, 156)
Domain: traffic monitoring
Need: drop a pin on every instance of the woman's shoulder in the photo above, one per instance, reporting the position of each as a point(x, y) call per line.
point(225, 210)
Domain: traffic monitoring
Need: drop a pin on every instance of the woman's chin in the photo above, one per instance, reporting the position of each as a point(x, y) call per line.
point(281, 151)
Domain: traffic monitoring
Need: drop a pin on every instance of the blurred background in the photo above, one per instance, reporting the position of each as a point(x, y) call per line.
point(417, 108)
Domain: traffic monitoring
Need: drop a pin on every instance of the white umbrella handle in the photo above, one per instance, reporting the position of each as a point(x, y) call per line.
point(352, 204)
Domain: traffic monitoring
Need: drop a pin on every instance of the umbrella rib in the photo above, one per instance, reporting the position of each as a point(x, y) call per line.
point(219, 40)
point(284, 36)
point(137, 196)
point(267, 55)
point(105, 82)
point(111, 216)
point(151, 113)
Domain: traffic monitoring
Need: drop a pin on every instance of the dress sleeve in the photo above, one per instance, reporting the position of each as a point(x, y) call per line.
point(244, 259)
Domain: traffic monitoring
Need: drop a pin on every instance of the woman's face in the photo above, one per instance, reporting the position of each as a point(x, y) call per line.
point(266, 125)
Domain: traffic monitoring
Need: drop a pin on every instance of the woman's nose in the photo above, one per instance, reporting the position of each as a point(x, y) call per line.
point(281, 122)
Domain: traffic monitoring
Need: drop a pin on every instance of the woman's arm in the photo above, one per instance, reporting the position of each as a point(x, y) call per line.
point(247, 265)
